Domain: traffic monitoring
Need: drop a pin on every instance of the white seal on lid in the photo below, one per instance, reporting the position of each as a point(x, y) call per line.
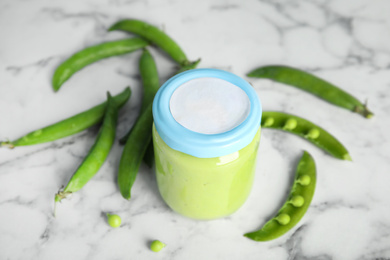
point(209, 105)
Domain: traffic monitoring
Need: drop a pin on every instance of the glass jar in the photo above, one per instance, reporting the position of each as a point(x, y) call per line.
point(206, 134)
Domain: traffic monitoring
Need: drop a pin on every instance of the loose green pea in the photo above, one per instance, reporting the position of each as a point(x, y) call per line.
point(297, 201)
point(114, 220)
point(313, 133)
point(304, 180)
point(268, 121)
point(283, 219)
point(290, 124)
point(156, 246)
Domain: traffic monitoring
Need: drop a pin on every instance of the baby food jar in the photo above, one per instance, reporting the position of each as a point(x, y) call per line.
point(206, 134)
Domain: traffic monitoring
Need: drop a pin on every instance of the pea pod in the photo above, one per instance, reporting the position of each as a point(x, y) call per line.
point(97, 154)
point(149, 154)
point(313, 85)
point(150, 82)
point(154, 35)
point(69, 126)
point(134, 151)
point(306, 129)
point(295, 207)
point(92, 54)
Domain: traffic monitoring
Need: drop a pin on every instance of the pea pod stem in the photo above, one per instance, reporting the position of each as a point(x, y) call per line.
point(69, 126)
point(97, 154)
point(154, 35)
point(304, 128)
point(92, 54)
point(134, 151)
point(289, 214)
point(312, 84)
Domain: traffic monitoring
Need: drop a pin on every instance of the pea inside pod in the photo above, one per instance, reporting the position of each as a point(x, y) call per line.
point(295, 207)
point(305, 129)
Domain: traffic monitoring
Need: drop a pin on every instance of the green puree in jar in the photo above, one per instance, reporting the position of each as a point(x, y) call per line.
point(208, 188)
point(206, 134)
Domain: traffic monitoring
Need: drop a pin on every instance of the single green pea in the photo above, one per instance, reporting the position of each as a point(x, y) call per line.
point(268, 121)
point(114, 220)
point(304, 180)
point(313, 133)
point(283, 219)
point(157, 245)
point(297, 201)
point(290, 124)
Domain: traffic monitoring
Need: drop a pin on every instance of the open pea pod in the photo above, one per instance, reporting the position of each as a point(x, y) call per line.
point(295, 207)
point(307, 130)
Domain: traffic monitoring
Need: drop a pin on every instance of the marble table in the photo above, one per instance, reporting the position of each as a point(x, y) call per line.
point(346, 42)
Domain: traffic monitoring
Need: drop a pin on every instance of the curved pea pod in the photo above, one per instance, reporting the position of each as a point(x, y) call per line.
point(305, 129)
point(313, 85)
point(134, 151)
point(295, 207)
point(69, 126)
point(97, 154)
point(154, 35)
point(92, 54)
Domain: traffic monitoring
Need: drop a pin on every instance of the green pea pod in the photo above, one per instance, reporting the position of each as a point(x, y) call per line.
point(92, 54)
point(134, 151)
point(295, 207)
point(97, 154)
point(150, 82)
point(149, 155)
point(306, 129)
point(69, 126)
point(154, 35)
point(313, 85)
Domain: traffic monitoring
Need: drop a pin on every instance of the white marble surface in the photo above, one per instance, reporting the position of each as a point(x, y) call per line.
point(346, 42)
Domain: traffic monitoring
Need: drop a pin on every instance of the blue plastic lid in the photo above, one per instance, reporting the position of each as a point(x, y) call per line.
point(198, 144)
